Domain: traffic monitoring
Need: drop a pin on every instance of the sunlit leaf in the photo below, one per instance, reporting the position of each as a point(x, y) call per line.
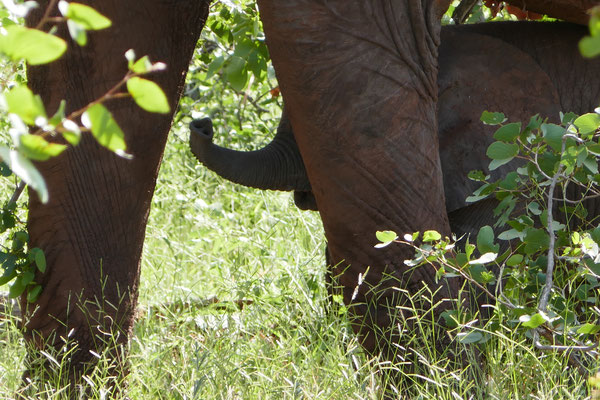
point(431, 236)
point(589, 329)
point(85, 16)
point(587, 123)
point(39, 149)
point(589, 46)
point(148, 95)
point(71, 132)
point(532, 321)
point(77, 33)
point(35, 46)
point(104, 127)
point(22, 102)
point(141, 66)
point(386, 236)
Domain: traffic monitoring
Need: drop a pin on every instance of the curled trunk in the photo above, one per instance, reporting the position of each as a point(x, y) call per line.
point(277, 166)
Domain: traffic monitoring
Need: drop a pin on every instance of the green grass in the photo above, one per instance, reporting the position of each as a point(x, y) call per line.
point(211, 244)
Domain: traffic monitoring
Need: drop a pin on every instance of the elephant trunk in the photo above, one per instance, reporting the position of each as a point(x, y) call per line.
point(277, 166)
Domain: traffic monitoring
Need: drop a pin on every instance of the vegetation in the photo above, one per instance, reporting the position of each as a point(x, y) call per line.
point(233, 303)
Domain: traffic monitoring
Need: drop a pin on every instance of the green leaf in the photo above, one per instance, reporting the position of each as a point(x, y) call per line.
point(141, 66)
point(215, 66)
point(83, 15)
point(27, 277)
point(35, 46)
point(534, 123)
point(595, 21)
point(492, 118)
point(553, 135)
point(39, 149)
point(17, 288)
point(386, 236)
point(535, 240)
point(508, 132)
point(477, 176)
point(59, 115)
point(469, 337)
point(21, 101)
point(589, 329)
point(510, 181)
point(587, 123)
point(431, 236)
point(482, 192)
point(485, 240)
point(450, 317)
point(532, 321)
point(514, 260)
point(589, 46)
point(148, 95)
point(534, 208)
point(501, 153)
point(25, 170)
point(236, 73)
point(104, 128)
point(77, 33)
point(34, 293)
point(9, 275)
point(39, 257)
point(567, 118)
point(71, 132)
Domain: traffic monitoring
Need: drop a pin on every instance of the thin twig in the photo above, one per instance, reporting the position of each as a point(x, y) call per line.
point(46, 16)
point(17, 193)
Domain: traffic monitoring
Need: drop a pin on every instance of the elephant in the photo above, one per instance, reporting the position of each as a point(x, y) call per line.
point(363, 72)
point(514, 77)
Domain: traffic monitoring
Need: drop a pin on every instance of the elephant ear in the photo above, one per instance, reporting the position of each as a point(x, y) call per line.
point(477, 73)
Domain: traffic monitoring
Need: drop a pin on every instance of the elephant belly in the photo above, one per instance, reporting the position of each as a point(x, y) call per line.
point(477, 73)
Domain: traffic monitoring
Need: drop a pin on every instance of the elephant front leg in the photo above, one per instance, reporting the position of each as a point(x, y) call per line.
point(360, 82)
point(92, 229)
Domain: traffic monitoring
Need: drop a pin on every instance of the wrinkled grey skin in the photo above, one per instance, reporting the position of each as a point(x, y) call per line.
point(521, 69)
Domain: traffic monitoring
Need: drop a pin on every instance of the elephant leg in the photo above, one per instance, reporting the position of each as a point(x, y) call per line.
point(360, 83)
point(92, 230)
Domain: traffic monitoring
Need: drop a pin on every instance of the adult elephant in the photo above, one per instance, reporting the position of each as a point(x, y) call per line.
point(359, 80)
point(504, 66)
point(368, 79)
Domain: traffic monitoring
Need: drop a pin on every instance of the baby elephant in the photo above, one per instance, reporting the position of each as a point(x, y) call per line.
point(518, 68)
